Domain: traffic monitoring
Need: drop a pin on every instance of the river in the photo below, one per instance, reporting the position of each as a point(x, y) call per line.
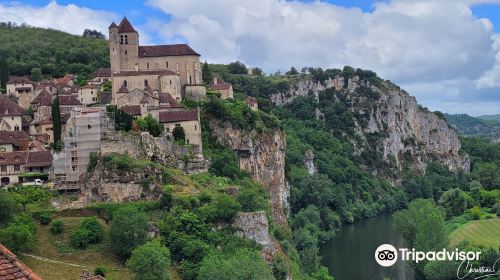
point(350, 254)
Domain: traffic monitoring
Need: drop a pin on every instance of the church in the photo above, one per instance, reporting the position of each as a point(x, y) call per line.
point(173, 69)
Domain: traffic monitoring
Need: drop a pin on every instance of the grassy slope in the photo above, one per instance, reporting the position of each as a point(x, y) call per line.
point(58, 248)
point(486, 232)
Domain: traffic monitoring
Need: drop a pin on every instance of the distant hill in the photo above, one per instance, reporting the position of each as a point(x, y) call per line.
point(490, 117)
point(472, 126)
point(56, 53)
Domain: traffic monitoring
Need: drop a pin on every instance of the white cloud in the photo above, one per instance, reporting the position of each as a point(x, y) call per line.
point(435, 48)
point(70, 18)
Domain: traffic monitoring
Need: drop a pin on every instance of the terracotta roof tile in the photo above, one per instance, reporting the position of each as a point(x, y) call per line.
point(125, 26)
point(178, 116)
point(9, 107)
point(12, 268)
point(167, 100)
point(44, 98)
point(219, 84)
point(69, 100)
point(113, 25)
point(166, 50)
point(12, 137)
point(134, 110)
point(19, 80)
point(39, 159)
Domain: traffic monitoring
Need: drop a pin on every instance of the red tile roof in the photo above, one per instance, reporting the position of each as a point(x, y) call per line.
point(113, 25)
point(125, 26)
point(69, 100)
point(166, 50)
point(167, 101)
point(12, 137)
point(12, 269)
point(145, 72)
point(134, 110)
point(44, 98)
point(103, 72)
point(26, 158)
point(19, 80)
point(178, 116)
point(219, 84)
point(9, 107)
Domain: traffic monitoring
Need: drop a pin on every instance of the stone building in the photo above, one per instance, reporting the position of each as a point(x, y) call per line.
point(10, 115)
point(225, 89)
point(88, 95)
point(18, 85)
point(189, 121)
point(173, 69)
point(14, 164)
point(252, 103)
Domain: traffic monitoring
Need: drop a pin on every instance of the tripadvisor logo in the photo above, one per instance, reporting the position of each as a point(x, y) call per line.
point(387, 255)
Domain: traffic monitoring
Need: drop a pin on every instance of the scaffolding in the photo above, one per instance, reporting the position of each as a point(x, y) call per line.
point(84, 131)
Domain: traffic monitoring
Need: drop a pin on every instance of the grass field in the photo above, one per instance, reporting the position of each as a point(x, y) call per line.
point(485, 232)
point(58, 249)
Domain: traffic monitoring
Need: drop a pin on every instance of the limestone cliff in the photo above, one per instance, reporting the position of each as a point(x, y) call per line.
point(405, 133)
point(263, 156)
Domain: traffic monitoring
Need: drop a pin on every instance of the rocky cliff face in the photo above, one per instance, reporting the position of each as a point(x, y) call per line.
point(405, 132)
point(263, 156)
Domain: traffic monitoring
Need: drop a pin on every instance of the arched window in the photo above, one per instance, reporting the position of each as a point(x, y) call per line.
point(126, 39)
point(125, 83)
point(16, 128)
point(146, 83)
point(166, 63)
point(121, 39)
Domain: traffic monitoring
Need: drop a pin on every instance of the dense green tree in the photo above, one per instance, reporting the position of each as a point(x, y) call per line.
point(36, 74)
point(179, 134)
point(237, 68)
point(292, 71)
point(150, 261)
point(422, 226)
point(4, 71)
point(56, 124)
point(20, 234)
point(7, 204)
point(243, 264)
point(454, 202)
point(206, 73)
point(107, 86)
point(128, 230)
point(89, 231)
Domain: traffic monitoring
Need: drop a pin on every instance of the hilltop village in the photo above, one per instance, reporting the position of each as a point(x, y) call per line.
point(142, 81)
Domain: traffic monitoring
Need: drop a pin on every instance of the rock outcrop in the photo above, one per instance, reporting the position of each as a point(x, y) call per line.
point(406, 133)
point(263, 156)
point(255, 226)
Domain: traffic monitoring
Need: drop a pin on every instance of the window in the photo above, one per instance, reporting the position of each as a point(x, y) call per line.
point(73, 167)
point(146, 83)
point(91, 92)
point(126, 52)
point(125, 83)
point(170, 81)
point(147, 65)
point(194, 127)
point(17, 168)
point(126, 39)
point(4, 168)
point(81, 99)
point(16, 128)
point(89, 126)
point(166, 63)
point(121, 39)
point(190, 82)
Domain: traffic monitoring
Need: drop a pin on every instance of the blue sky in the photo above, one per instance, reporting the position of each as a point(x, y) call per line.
point(444, 52)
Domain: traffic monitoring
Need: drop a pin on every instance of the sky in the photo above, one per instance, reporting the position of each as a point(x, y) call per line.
point(446, 53)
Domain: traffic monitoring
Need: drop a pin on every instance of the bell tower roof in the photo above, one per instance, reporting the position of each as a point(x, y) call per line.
point(125, 26)
point(113, 25)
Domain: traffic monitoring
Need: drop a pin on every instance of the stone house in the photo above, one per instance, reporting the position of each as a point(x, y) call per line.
point(102, 75)
point(225, 89)
point(252, 103)
point(141, 63)
point(45, 127)
point(188, 120)
point(42, 105)
point(11, 141)
point(88, 95)
point(13, 164)
point(18, 85)
point(10, 114)
point(140, 103)
point(67, 80)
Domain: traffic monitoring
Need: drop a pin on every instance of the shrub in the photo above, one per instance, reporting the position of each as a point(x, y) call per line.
point(475, 213)
point(45, 218)
point(150, 261)
point(89, 232)
point(57, 227)
point(20, 234)
point(100, 271)
point(496, 209)
point(128, 230)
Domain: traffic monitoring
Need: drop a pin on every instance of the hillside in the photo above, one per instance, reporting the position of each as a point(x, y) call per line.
point(56, 53)
point(490, 117)
point(474, 126)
